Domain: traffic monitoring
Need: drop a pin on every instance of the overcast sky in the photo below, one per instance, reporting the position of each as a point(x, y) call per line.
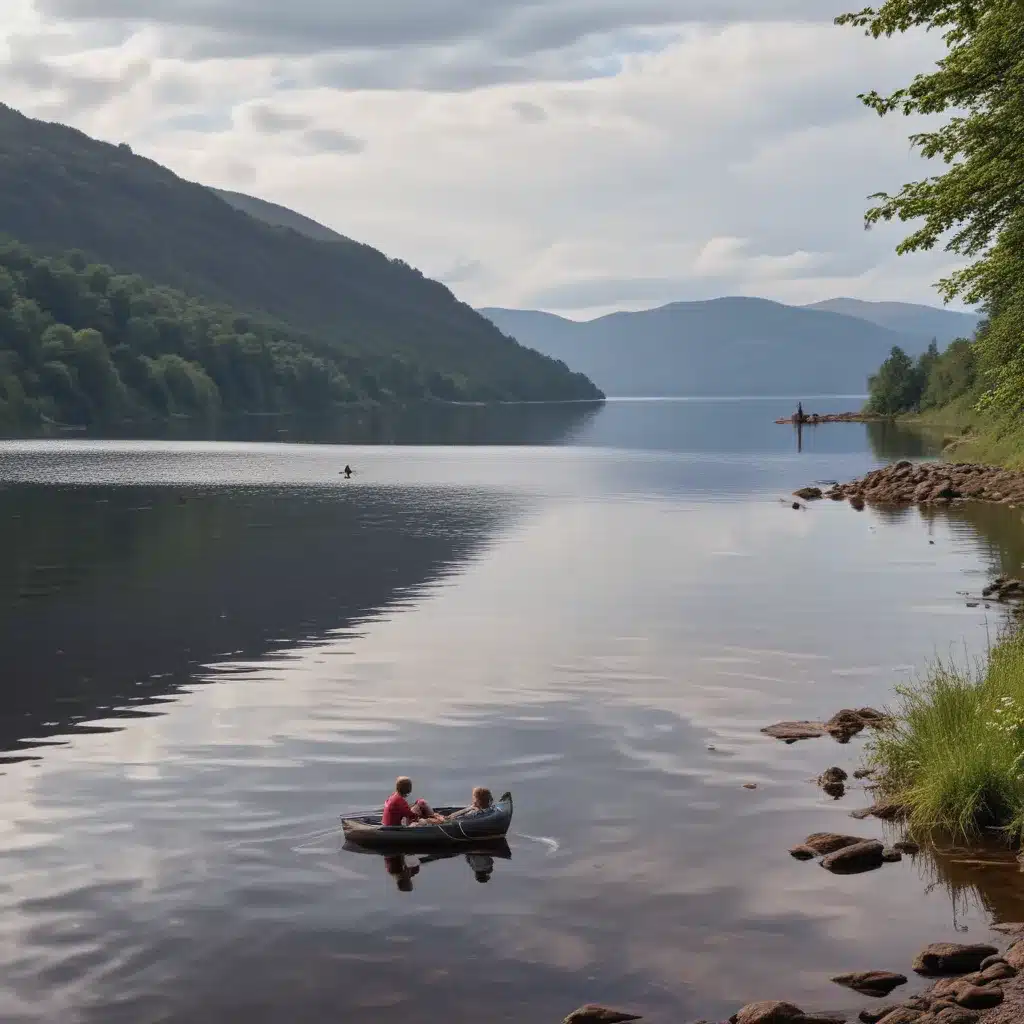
point(569, 155)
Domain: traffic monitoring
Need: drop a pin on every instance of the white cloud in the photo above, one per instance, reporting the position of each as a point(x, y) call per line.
point(606, 165)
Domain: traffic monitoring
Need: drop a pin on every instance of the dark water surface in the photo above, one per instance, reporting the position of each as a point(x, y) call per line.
point(212, 649)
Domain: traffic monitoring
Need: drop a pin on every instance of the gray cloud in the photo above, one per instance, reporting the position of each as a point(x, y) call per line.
point(176, 89)
point(531, 113)
point(269, 120)
point(329, 140)
point(320, 24)
point(79, 91)
point(602, 291)
point(445, 45)
point(461, 272)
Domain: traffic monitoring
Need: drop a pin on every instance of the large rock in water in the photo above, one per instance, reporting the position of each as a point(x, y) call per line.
point(790, 732)
point(594, 1014)
point(832, 777)
point(829, 842)
point(852, 860)
point(872, 983)
point(951, 958)
point(845, 724)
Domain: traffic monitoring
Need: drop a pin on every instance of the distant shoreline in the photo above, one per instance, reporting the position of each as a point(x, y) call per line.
point(814, 419)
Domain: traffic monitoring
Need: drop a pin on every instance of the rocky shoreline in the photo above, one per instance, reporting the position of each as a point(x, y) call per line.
point(814, 418)
point(969, 983)
point(927, 483)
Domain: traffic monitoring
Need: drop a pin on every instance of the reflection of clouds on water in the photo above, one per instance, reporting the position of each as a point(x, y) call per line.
point(586, 654)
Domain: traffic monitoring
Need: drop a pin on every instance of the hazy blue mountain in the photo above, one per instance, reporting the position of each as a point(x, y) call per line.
point(727, 346)
point(907, 317)
point(279, 216)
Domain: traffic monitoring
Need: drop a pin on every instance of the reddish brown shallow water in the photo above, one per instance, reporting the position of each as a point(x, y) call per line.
point(211, 651)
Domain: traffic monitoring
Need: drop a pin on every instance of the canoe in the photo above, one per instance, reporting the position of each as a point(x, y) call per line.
point(366, 829)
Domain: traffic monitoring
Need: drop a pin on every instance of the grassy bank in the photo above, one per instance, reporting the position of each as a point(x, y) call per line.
point(956, 753)
point(969, 436)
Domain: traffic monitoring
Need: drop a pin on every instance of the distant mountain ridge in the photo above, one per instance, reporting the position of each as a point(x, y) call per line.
point(944, 325)
point(728, 346)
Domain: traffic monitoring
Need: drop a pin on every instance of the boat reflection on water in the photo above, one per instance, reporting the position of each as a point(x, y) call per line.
point(403, 867)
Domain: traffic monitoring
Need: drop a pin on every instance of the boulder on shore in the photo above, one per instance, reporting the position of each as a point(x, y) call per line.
point(952, 958)
point(777, 1012)
point(903, 1015)
point(932, 483)
point(980, 997)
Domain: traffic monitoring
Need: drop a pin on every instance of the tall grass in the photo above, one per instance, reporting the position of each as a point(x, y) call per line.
point(985, 438)
point(955, 755)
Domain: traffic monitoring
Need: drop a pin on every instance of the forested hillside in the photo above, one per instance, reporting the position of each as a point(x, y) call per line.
point(80, 344)
point(61, 190)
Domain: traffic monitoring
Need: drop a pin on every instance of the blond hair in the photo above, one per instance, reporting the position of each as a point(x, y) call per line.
point(403, 785)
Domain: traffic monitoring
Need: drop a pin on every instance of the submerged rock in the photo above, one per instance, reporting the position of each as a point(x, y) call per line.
point(832, 776)
point(848, 723)
point(872, 983)
point(802, 853)
point(790, 732)
point(884, 811)
point(952, 958)
point(808, 493)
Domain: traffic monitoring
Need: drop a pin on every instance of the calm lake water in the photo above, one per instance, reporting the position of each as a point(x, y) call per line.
point(210, 650)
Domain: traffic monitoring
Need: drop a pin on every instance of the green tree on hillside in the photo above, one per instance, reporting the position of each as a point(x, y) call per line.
point(897, 387)
point(976, 206)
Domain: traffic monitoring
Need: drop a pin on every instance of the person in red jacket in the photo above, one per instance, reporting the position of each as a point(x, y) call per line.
point(397, 810)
